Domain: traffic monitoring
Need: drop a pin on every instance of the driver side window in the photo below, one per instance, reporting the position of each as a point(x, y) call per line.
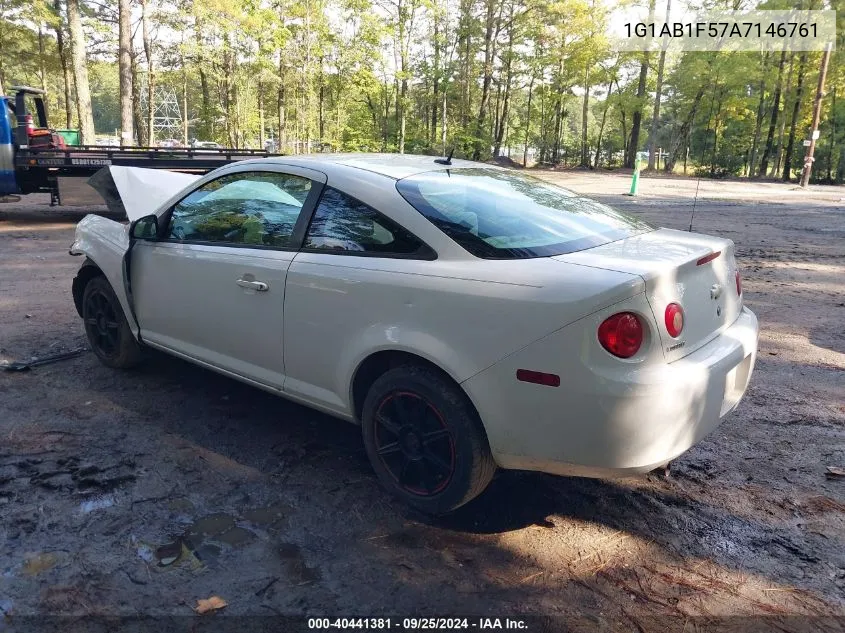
point(245, 209)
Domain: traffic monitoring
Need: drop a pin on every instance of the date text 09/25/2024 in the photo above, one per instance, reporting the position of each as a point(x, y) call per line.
point(418, 624)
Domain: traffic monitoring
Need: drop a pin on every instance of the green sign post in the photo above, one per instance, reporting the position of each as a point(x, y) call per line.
point(635, 181)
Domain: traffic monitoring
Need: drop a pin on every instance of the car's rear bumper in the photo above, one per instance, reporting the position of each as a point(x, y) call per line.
point(624, 421)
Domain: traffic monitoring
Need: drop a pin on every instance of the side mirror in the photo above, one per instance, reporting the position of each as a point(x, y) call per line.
point(145, 228)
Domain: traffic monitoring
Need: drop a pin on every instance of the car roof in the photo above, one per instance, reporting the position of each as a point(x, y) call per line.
point(394, 166)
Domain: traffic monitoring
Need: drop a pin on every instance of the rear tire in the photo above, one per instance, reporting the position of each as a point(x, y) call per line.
point(424, 439)
point(106, 326)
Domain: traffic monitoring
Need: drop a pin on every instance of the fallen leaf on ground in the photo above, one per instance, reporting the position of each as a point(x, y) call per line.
point(210, 604)
point(835, 471)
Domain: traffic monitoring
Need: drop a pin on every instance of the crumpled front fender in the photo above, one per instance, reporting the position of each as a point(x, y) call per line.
point(104, 243)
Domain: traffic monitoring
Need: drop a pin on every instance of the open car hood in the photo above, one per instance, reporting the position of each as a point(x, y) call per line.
point(136, 191)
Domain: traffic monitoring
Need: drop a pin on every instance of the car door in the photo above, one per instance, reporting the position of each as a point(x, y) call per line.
point(356, 270)
point(212, 286)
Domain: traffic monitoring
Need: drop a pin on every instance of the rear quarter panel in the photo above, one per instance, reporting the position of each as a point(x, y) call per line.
point(463, 316)
point(576, 422)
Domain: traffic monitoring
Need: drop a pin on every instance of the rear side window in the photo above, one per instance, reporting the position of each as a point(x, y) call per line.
point(343, 224)
point(500, 214)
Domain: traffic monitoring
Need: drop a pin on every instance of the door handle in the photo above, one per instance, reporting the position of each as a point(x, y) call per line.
point(259, 286)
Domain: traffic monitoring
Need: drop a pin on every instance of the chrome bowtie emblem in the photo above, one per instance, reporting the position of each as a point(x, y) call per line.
point(715, 291)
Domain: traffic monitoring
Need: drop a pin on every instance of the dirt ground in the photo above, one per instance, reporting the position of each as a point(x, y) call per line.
point(141, 492)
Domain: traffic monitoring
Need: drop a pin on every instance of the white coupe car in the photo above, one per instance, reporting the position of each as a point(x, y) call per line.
point(468, 317)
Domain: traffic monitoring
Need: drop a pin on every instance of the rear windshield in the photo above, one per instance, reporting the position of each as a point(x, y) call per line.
point(500, 214)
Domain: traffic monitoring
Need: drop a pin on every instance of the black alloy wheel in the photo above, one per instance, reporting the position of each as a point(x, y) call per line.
point(414, 444)
point(106, 327)
point(101, 324)
point(425, 440)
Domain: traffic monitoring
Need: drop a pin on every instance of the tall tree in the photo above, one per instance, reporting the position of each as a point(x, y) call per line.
point(658, 94)
point(773, 118)
point(758, 125)
point(637, 118)
point(796, 107)
point(58, 27)
point(493, 18)
point(127, 133)
point(80, 74)
point(151, 77)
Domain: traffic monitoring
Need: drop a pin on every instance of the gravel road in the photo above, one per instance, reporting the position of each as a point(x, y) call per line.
point(126, 493)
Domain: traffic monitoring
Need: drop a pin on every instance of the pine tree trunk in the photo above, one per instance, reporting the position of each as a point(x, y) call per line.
point(184, 104)
point(435, 80)
point(80, 74)
point(127, 133)
point(148, 53)
point(557, 129)
point(773, 119)
point(755, 143)
point(623, 122)
point(42, 71)
point(680, 140)
point(261, 115)
point(205, 130)
point(603, 120)
point(503, 119)
point(782, 132)
point(796, 108)
point(137, 115)
point(585, 111)
point(281, 105)
point(832, 143)
point(658, 94)
point(528, 121)
point(62, 49)
point(636, 123)
point(637, 118)
point(321, 97)
point(465, 47)
point(491, 31)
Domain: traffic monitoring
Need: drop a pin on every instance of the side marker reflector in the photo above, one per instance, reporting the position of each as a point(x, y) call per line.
point(538, 377)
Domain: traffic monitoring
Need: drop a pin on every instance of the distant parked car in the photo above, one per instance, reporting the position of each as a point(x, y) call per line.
point(467, 317)
point(206, 145)
point(170, 142)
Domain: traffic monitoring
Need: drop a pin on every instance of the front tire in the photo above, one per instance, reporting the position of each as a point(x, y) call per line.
point(424, 439)
point(106, 326)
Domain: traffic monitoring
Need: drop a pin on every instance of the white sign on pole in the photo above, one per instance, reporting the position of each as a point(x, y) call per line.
point(807, 142)
point(815, 135)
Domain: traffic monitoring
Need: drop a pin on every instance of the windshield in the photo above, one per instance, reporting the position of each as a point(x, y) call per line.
point(500, 214)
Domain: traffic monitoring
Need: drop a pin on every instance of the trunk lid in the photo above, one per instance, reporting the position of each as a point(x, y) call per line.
point(696, 271)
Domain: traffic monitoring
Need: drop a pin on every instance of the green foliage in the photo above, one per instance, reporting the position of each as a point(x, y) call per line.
point(374, 75)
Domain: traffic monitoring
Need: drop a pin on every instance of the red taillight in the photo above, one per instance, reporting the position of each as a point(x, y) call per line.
point(621, 334)
point(29, 124)
point(738, 283)
point(674, 319)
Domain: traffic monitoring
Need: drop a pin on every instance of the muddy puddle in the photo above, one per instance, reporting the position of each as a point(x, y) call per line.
point(205, 539)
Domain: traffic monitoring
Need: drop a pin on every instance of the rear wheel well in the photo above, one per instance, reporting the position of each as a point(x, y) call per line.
point(88, 271)
point(377, 364)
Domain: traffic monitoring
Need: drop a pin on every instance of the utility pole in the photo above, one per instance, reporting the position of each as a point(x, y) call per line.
point(817, 109)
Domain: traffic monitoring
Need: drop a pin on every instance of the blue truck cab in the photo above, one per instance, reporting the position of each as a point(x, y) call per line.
point(22, 128)
point(7, 149)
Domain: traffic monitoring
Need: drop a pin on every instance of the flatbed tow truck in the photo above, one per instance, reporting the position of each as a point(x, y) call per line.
point(35, 158)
